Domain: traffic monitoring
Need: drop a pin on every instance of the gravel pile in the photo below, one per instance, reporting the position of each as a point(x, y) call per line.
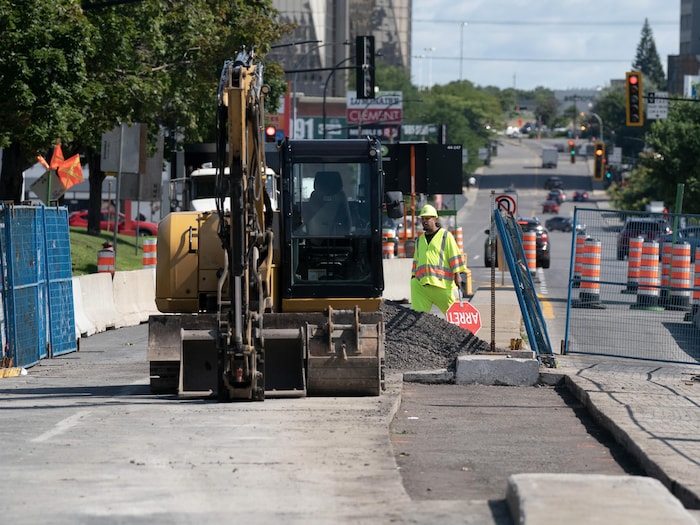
point(423, 341)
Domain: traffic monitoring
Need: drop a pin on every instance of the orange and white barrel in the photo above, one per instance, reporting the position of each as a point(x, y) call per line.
point(578, 253)
point(105, 261)
point(530, 249)
point(459, 238)
point(387, 248)
point(149, 252)
point(633, 263)
point(649, 277)
point(680, 277)
point(590, 273)
point(401, 250)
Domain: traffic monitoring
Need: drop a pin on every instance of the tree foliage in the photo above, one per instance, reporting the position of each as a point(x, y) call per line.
point(648, 62)
point(72, 74)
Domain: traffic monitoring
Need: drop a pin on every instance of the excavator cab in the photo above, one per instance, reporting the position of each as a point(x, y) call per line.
point(331, 206)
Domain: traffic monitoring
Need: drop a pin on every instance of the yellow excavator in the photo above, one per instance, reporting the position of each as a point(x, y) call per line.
point(280, 296)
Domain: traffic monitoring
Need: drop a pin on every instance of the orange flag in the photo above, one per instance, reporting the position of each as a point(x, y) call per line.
point(57, 157)
point(70, 172)
point(43, 162)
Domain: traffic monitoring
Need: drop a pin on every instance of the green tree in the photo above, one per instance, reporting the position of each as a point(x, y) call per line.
point(675, 148)
point(73, 75)
point(648, 62)
point(43, 77)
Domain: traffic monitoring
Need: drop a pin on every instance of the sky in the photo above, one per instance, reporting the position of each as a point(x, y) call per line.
point(564, 44)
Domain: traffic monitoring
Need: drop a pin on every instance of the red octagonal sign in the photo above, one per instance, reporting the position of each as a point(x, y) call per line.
point(464, 315)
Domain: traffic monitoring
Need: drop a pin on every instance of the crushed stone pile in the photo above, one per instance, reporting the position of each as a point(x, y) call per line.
point(423, 341)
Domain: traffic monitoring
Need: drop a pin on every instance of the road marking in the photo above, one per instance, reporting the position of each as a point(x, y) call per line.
point(61, 427)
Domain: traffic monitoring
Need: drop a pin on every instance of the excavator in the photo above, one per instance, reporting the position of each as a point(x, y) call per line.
point(278, 297)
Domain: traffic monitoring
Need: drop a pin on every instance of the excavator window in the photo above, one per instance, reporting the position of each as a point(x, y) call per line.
point(331, 223)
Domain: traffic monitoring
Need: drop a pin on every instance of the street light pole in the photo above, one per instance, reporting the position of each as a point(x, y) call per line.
point(430, 66)
point(461, 47)
point(325, 89)
point(600, 123)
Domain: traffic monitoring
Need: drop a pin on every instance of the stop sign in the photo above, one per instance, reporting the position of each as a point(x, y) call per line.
point(464, 315)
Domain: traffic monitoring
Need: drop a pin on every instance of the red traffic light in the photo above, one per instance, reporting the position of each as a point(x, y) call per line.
point(270, 133)
point(633, 79)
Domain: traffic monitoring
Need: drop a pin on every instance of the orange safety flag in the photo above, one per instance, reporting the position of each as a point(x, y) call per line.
point(43, 162)
point(70, 172)
point(57, 157)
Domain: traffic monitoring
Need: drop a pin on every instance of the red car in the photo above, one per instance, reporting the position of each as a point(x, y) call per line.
point(145, 228)
point(550, 207)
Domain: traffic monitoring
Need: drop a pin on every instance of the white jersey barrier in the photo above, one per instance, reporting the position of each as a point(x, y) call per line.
point(83, 325)
point(98, 301)
point(134, 295)
point(102, 301)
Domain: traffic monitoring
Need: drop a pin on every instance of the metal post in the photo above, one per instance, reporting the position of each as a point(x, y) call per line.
point(461, 48)
point(600, 124)
point(325, 90)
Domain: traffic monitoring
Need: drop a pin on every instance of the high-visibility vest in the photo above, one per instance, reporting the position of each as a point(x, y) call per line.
point(436, 263)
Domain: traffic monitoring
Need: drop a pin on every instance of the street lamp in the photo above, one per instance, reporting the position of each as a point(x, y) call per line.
point(325, 89)
point(296, 72)
point(600, 123)
point(420, 71)
point(461, 47)
point(430, 65)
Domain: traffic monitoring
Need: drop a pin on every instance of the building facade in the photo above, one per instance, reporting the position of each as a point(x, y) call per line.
point(319, 53)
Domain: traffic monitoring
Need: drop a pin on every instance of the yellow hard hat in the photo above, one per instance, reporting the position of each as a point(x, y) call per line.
point(428, 211)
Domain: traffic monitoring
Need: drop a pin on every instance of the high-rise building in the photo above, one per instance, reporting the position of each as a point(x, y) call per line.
point(686, 62)
point(321, 47)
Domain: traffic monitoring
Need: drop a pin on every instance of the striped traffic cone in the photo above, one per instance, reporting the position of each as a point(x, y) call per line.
point(679, 278)
point(589, 296)
point(649, 279)
point(633, 263)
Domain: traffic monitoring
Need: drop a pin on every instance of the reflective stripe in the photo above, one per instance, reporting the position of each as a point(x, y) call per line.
point(437, 266)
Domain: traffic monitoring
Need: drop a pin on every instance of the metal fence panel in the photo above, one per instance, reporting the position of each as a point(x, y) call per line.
point(59, 272)
point(629, 296)
point(510, 235)
point(37, 285)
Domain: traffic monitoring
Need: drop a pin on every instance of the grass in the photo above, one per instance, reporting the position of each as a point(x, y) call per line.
point(84, 250)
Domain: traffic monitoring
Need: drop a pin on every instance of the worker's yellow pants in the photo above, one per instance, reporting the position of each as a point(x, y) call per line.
point(424, 297)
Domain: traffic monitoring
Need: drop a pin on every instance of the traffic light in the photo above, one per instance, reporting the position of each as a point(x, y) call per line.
point(598, 161)
point(572, 151)
point(270, 133)
point(634, 109)
point(364, 76)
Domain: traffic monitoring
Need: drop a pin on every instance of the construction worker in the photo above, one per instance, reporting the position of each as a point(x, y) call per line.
point(437, 265)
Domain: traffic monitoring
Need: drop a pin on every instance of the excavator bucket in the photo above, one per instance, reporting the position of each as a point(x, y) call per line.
point(339, 353)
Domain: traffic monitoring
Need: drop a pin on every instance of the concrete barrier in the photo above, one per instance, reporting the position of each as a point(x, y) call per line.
point(397, 279)
point(83, 325)
point(98, 301)
point(496, 370)
point(134, 295)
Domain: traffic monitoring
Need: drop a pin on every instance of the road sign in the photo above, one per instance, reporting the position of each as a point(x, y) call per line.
point(657, 105)
point(464, 315)
point(506, 203)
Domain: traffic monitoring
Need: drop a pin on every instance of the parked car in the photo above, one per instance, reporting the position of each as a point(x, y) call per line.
point(526, 225)
point(690, 235)
point(550, 206)
point(556, 194)
point(580, 196)
point(145, 228)
point(553, 183)
point(648, 228)
point(565, 224)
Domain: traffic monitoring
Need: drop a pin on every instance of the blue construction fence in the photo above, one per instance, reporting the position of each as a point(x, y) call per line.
point(38, 319)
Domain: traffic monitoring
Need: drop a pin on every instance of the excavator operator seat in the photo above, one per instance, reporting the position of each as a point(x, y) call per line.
point(328, 210)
